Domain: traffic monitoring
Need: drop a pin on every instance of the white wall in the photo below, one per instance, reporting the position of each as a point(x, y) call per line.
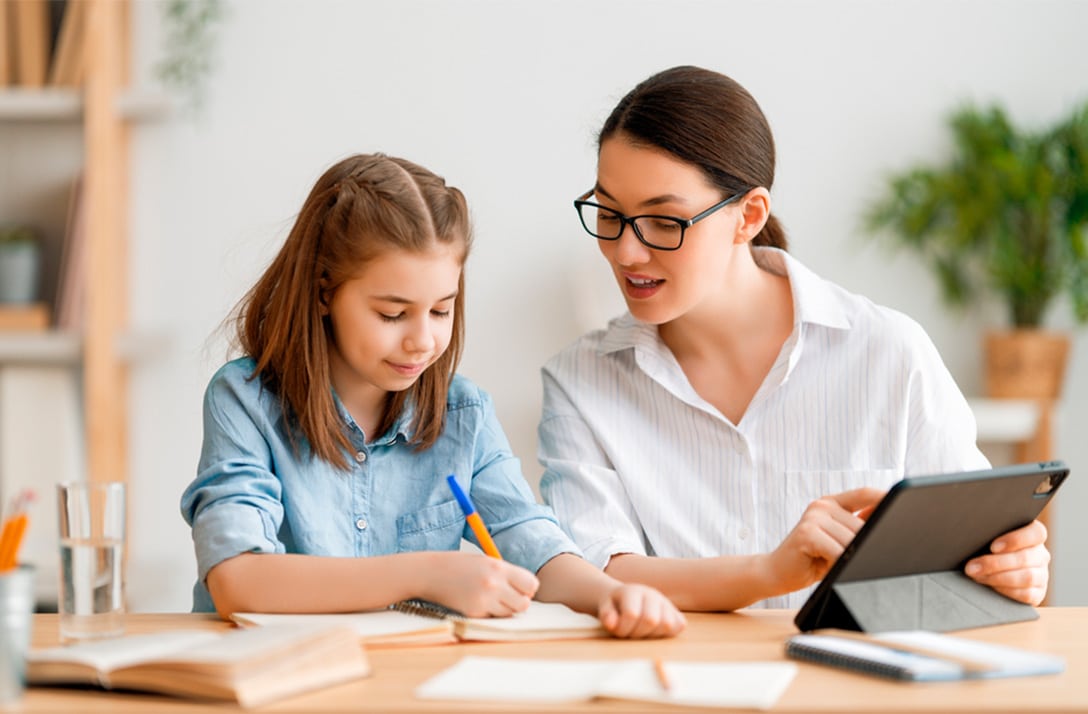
point(503, 98)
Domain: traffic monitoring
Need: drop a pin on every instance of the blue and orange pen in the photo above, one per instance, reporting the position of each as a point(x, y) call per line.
point(473, 518)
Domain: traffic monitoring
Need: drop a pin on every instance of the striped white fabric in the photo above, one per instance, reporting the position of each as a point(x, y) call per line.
point(637, 462)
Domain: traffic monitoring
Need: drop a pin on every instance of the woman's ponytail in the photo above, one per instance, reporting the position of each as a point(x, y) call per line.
point(773, 235)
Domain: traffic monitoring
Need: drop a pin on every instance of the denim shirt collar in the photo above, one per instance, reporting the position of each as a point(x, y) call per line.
point(401, 427)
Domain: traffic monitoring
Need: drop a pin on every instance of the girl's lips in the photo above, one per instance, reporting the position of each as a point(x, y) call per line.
point(408, 370)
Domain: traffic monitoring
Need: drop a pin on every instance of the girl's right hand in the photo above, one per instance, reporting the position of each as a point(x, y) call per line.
point(826, 527)
point(479, 585)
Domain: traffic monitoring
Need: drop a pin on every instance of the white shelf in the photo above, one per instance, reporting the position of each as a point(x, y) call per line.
point(40, 348)
point(1005, 420)
point(59, 348)
point(54, 104)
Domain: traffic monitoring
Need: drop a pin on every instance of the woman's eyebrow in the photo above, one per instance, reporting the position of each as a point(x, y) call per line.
point(655, 201)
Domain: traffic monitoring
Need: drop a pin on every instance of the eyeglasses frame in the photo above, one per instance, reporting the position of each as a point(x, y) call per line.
point(684, 223)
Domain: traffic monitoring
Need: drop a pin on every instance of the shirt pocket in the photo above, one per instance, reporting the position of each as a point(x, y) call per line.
point(436, 527)
point(804, 487)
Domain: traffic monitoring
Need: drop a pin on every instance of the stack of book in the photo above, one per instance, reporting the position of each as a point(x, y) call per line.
point(248, 667)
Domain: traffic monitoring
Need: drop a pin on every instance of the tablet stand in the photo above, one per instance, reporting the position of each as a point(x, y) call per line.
point(941, 601)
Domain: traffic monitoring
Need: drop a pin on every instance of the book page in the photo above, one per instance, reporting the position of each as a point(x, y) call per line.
point(107, 655)
point(745, 685)
point(248, 645)
point(518, 680)
point(542, 620)
point(374, 627)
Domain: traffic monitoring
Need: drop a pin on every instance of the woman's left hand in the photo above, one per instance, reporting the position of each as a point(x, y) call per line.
point(639, 611)
point(1017, 566)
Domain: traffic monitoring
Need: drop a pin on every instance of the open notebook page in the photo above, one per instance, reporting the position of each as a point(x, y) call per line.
point(699, 684)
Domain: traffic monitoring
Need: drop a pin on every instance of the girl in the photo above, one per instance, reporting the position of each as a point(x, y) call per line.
point(322, 478)
point(708, 426)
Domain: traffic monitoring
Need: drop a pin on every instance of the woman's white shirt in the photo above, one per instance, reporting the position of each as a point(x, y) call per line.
point(637, 462)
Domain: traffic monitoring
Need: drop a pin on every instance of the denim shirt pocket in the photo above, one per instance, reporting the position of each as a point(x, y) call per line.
point(438, 527)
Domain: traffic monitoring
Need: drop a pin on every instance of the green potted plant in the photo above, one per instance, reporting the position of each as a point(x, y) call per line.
point(20, 261)
point(1006, 214)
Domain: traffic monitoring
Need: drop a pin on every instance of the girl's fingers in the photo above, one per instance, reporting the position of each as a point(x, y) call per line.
point(523, 581)
point(640, 612)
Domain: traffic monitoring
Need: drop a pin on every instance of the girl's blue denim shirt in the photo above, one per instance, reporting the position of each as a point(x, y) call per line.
point(254, 493)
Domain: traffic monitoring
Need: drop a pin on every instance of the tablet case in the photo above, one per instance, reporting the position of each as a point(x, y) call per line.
point(904, 568)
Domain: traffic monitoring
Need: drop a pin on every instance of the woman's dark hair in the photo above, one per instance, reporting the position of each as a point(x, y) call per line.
point(705, 119)
point(360, 208)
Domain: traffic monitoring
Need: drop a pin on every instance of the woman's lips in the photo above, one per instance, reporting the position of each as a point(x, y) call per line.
point(641, 287)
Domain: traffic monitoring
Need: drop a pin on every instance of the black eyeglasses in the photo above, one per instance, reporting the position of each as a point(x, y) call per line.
point(657, 232)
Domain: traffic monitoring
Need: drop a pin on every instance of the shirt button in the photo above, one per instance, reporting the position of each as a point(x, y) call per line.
point(361, 524)
point(360, 456)
point(744, 533)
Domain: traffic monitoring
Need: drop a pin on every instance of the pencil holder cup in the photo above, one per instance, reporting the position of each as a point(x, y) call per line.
point(91, 515)
point(16, 611)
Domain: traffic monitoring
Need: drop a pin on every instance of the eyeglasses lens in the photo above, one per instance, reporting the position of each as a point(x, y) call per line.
point(658, 232)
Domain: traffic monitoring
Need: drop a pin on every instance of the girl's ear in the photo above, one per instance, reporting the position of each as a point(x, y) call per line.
point(755, 208)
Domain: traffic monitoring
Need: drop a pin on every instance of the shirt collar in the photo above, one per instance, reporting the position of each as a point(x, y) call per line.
point(814, 301)
point(401, 427)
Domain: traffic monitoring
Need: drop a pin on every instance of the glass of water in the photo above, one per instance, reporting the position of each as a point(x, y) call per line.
point(92, 541)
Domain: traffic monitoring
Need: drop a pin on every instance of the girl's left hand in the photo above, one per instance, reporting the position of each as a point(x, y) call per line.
point(1017, 566)
point(638, 611)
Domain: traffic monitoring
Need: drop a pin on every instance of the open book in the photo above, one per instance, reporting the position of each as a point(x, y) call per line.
point(747, 685)
point(250, 667)
point(920, 656)
point(416, 623)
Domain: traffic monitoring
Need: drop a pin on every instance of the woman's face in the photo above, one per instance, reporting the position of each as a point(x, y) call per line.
point(660, 286)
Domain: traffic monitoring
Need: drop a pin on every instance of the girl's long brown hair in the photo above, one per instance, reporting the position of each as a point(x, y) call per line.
point(708, 120)
point(360, 208)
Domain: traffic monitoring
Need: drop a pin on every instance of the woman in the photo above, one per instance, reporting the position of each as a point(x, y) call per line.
point(724, 440)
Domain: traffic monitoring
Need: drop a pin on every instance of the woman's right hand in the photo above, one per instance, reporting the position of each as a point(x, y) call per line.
point(826, 527)
point(478, 585)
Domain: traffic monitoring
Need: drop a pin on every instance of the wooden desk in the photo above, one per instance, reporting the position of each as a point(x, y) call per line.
point(747, 635)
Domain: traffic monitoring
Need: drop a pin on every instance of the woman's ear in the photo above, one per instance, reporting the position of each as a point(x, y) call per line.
point(755, 209)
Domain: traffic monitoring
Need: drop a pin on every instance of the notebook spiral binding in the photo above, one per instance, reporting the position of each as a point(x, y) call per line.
point(426, 608)
point(821, 656)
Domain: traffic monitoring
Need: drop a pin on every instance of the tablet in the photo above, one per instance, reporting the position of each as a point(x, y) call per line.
point(904, 568)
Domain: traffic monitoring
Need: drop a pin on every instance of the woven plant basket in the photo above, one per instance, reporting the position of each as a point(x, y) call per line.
point(1025, 364)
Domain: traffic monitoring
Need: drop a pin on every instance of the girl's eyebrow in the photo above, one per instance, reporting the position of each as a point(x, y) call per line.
point(405, 301)
point(655, 201)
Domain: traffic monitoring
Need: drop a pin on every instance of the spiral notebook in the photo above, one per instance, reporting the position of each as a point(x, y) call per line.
point(921, 656)
point(418, 622)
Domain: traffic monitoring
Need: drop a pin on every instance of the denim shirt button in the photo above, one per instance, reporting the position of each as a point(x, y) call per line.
point(361, 524)
point(360, 456)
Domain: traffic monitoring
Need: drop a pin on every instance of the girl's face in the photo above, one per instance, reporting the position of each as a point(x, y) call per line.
point(392, 321)
point(660, 286)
